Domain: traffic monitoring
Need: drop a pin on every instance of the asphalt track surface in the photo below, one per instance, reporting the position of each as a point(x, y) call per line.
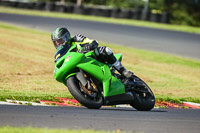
point(173, 42)
point(109, 119)
point(128, 119)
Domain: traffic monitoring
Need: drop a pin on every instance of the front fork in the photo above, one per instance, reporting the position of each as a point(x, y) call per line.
point(81, 78)
point(87, 85)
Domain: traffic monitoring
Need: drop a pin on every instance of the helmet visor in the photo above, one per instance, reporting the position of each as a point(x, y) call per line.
point(59, 42)
point(62, 40)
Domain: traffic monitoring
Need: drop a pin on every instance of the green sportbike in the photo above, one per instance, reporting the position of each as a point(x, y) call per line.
point(93, 83)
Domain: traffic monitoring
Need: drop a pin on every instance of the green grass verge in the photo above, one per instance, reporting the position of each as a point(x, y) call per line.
point(8, 129)
point(32, 96)
point(182, 28)
point(26, 62)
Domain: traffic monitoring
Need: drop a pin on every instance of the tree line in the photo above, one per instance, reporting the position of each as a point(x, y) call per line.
point(182, 12)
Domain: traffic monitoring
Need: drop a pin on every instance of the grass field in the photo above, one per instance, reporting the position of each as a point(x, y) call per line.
point(8, 129)
point(27, 63)
point(102, 19)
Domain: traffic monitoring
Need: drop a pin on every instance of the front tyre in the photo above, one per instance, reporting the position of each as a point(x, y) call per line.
point(74, 87)
point(144, 99)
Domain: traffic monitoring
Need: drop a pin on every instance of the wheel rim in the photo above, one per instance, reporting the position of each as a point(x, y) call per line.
point(88, 94)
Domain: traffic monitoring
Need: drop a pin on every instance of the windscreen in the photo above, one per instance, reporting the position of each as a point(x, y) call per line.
point(62, 50)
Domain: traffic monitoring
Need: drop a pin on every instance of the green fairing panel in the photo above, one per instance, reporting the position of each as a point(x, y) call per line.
point(90, 54)
point(118, 56)
point(116, 88)
point(104, 75)
point(95, 68)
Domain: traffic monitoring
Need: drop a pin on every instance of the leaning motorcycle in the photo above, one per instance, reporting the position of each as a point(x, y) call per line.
point(93, 83)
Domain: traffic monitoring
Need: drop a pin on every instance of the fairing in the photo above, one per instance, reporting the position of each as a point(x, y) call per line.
point(67, 64)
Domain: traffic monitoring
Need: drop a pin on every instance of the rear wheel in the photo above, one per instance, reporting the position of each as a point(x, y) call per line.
point(144, 99)
point(90, 99)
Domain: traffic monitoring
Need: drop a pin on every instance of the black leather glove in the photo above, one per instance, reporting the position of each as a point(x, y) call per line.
point(78, 38)
point(85, 48)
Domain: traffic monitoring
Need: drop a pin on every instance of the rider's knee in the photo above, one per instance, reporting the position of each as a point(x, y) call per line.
point(106, 54)
point(103, 50)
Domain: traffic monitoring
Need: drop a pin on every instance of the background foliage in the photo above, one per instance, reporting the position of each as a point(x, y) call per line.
point(182, 12)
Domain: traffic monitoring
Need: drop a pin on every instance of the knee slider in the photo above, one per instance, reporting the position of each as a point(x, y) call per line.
point(101, 51)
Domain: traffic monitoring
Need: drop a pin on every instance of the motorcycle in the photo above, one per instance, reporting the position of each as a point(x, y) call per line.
point(93, 83)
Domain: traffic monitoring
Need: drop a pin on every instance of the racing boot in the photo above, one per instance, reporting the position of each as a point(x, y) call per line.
point(122, 70)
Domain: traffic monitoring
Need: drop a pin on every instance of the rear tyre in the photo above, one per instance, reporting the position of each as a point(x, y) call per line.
point(143, 100)
point(74, 87)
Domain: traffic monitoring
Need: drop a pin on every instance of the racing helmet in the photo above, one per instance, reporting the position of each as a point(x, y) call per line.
point(60, 36)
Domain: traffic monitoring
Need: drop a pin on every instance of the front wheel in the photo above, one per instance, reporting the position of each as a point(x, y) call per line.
point(77, 92)
point(144, 99)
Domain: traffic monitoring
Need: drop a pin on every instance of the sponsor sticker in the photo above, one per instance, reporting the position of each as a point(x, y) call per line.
point(67, 59)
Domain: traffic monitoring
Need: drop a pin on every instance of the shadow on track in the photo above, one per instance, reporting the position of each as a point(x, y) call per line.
point(131, 109)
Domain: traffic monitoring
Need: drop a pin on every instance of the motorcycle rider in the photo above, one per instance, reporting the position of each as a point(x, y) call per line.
point(62, 41)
